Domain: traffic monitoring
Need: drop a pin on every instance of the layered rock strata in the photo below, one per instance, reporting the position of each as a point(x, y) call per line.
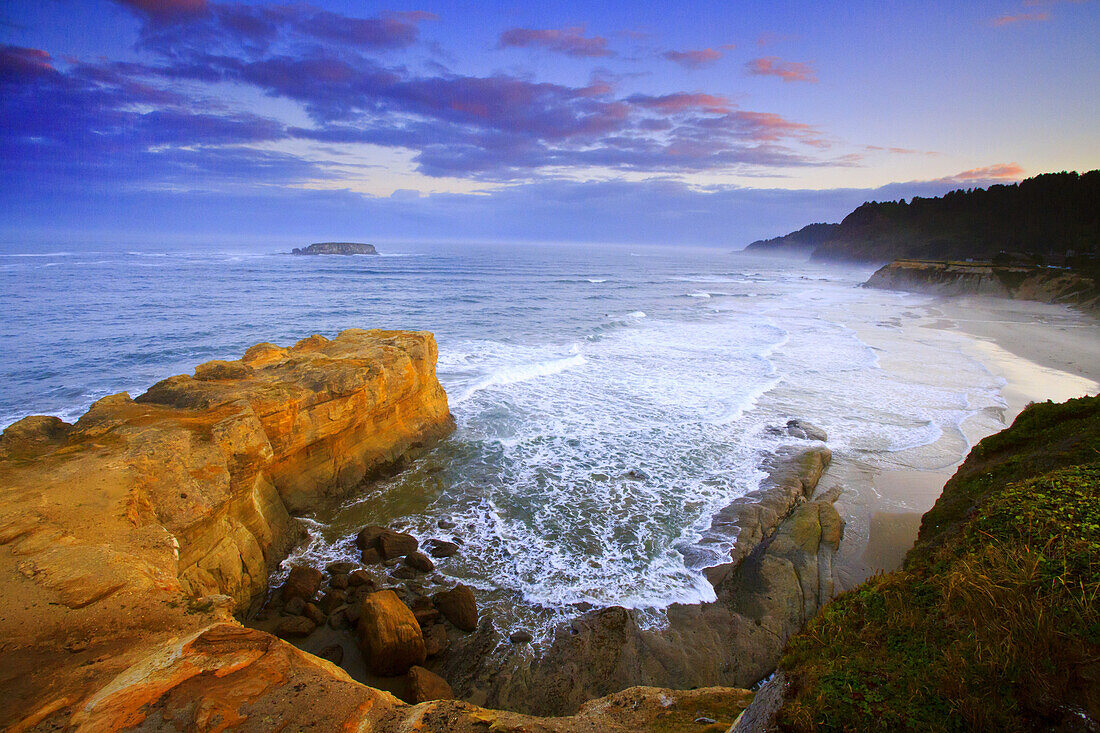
point(149, 517)
point(779, 574)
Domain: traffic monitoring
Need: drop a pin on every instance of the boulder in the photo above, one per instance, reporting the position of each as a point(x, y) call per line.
point(441, 548)
point(371, 556)
point(360, 577)
point(314, 614)
point(303, 582)
point(333, 653)
point(294, 626)
point(340, 568)
point(458, 606)
point(425, 685)
point(338, 582)
point(295, 607)
point(520, 637)
point(436, 640)
point(332, 600)
point(389, 635)
point(419, 561)
point(390, 544)
point(805, 430)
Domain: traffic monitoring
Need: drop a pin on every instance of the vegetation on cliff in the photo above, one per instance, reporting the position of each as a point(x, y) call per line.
point(1048, 215)
point(994, 621)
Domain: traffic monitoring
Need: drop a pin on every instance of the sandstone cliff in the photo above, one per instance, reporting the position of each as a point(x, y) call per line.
point(111, 529)
point(1047, 285)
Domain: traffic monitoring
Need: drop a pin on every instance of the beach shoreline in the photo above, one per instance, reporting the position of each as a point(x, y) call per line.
point(1041, 352)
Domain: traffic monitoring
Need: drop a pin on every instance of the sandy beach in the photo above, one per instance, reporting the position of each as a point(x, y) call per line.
point(1041, 351)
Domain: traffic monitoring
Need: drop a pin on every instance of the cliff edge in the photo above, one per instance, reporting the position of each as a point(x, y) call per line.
point(150, 518)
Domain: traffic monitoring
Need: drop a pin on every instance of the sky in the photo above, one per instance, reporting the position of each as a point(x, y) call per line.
point(705, 123)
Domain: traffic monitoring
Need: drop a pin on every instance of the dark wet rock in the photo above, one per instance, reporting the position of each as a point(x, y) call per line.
point(441, 548)
point(333, 653)
point(419, 561)
point(805, 430)
point(314, 614)
point(371, 556)
point(636, 475)
point(436, 640)
point(390, 544)
point(458, 606)
point(404, 573)
point(296, 607)
point(340, 568)
point(427, 616)
point(338, 581)
point(294, 626)
point(445, 524)
point(302, 582)
point(351, 613)
point(359, 577)
point(520, 637)
point(338, 619)
point(332, 600)
point(425, 685)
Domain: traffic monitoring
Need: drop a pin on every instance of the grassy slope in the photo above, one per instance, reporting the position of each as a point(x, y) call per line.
point(994, 622)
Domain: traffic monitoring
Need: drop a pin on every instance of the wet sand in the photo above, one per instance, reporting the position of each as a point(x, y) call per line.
point(1041, 351)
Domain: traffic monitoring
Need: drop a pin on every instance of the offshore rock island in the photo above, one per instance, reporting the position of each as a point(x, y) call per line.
point(336, 248)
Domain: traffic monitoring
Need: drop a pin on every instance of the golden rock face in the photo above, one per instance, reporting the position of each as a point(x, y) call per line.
point(111, 526)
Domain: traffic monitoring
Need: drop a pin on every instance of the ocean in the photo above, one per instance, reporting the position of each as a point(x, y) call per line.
point(609, 400)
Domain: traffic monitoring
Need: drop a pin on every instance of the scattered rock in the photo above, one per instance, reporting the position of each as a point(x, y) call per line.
point(332, 600)
point(445, 524)
point(359, 577)
point(333, 653)
point(371, 556)
point(389, 635)
point(338, 620)
point(419, 561)
point(303, 582)
point(351, 613)
point(426, 616)
point(296, 607)
point(441, 548)
point(389, 544)
point(458, 606)
point(636, 475)
point(314, 614)
point(520, 637)
point(404, 573)
point(436, 640)
point(339, 582)
point(340, 568)
point(425, 685)
point(805, 430)
point(294, 626)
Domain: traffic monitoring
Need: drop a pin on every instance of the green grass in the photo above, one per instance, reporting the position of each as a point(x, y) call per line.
point(994, 623)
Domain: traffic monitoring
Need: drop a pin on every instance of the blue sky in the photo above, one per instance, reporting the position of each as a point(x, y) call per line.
point(709, 123)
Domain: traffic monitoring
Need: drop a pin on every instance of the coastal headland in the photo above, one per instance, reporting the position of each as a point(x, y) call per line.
point(336, 248)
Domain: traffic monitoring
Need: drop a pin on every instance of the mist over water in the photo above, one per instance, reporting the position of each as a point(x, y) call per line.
point(609, 401)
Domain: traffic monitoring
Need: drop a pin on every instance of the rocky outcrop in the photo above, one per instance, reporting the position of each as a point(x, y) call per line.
point(1046, 285)
point(779, 574)
point(114, 528)
point(389, 635)
point(336, 248)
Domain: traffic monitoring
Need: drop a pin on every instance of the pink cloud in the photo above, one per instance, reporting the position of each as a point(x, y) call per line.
point(693, 59)
point(1020, 18)
point(999, 172)
point(785, 70)
point(569, 41)
point(684, 102)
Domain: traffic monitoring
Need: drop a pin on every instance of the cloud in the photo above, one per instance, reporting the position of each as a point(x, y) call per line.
point(1020, 18)
point(767, 38)
point(898, 151)
point(999, 172)
point(693, 59)
point(785, 70)
point(569, 41)
point(163, 11)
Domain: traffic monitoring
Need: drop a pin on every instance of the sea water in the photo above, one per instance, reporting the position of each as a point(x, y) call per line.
point(608, 400)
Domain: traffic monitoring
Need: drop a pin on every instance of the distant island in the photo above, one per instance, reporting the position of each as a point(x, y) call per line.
point(336, 248)
point(1049, 219)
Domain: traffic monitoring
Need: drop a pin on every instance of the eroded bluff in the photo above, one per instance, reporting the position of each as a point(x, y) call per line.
point(113, 527)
